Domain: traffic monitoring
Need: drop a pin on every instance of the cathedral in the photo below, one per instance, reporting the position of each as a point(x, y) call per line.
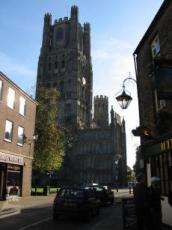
point(98, 153)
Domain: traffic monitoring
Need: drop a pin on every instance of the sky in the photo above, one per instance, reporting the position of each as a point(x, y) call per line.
point(117, 26)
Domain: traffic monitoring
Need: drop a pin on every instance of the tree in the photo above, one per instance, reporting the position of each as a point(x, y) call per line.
point(130, 174)
point(49, 148)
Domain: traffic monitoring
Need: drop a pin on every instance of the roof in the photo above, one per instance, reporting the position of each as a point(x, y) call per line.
point(158, 15)
point(17, 87)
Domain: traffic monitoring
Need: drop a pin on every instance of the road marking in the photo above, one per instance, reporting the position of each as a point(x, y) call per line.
point(97, 225)
point(36, 223)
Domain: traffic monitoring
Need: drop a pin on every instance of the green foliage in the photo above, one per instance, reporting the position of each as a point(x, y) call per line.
point(49, 150)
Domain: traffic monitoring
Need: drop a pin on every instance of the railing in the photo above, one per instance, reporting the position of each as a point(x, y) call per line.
point(43, 190)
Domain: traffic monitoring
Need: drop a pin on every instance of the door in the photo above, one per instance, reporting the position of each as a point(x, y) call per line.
point(2, 181)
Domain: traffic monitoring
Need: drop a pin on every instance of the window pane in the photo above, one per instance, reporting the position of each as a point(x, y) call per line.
point(155, 47)
point(11, 98)
point(20, 137)
point(22, 106)
point(8, 130)
point(0, 89)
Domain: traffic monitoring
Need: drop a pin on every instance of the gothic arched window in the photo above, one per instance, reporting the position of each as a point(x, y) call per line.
point(59, 34)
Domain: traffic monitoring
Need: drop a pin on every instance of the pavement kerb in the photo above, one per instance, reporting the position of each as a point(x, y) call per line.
point(8, 208)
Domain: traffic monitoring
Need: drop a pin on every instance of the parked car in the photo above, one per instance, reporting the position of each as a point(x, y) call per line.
point(76, 202)
point(109, 194)
point(103, 193)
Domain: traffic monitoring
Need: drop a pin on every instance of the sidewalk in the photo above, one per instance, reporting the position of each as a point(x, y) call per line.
point(13, 207)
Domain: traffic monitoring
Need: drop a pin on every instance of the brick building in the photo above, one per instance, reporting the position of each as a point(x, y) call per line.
point(17, 116)
point(153, 62)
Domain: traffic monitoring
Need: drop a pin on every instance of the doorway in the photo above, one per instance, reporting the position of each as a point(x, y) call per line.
point(2, 180)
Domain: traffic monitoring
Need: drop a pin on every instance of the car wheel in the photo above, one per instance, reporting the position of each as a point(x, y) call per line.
point(98, 212)
point(112, 201)
point(55, 216)
point(88, 216)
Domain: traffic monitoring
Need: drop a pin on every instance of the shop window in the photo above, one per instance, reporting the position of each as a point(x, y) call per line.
point(20, 136)
point(14, 180)
point(11, 98)
point(8, 130)
point(155, 47)
point(160, 168)
point(162, 104)
point(22, 106)
point(1, 84)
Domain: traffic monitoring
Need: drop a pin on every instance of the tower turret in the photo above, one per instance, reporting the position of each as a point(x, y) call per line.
point(112, 115)
point(74, 34)
point(74, 13)
point(46, 31)
point(86, 40)
point(123, 125)
point(101, 111)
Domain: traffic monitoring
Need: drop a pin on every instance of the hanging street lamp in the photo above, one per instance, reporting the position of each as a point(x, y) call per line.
point(124, 99)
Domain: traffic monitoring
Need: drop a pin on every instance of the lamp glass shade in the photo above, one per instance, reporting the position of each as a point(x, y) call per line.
point(124, 100)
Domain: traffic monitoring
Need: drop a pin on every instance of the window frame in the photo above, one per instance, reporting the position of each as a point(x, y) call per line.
point(20, 140)
point(155, 46)
point(6, 130)
point(11, 101)
point(22, 108)
point(1, 89)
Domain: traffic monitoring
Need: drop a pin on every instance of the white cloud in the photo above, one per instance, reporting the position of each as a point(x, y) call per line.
point(10, 65)
point(112, 62)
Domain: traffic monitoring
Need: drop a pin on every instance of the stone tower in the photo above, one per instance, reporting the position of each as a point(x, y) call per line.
point(65, 64)
point(101, 111)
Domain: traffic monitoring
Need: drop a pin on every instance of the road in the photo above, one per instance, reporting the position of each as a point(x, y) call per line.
point(41, 218)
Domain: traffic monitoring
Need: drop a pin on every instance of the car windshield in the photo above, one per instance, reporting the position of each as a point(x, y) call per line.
point(95, 188)
point(75, 193)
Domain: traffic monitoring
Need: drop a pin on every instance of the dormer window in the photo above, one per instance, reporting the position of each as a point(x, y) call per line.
point(155, 47)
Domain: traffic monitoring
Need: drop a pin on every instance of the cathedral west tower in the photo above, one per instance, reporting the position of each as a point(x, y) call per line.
point(65, 64)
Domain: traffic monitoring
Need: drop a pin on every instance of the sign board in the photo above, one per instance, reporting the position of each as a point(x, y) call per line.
point(129, 214)
point(11, 159)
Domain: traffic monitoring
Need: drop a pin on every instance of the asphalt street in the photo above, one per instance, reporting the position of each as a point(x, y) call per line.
point(41, 218)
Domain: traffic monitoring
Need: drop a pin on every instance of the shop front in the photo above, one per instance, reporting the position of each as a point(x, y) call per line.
point(11, 172)
point(158, 162)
